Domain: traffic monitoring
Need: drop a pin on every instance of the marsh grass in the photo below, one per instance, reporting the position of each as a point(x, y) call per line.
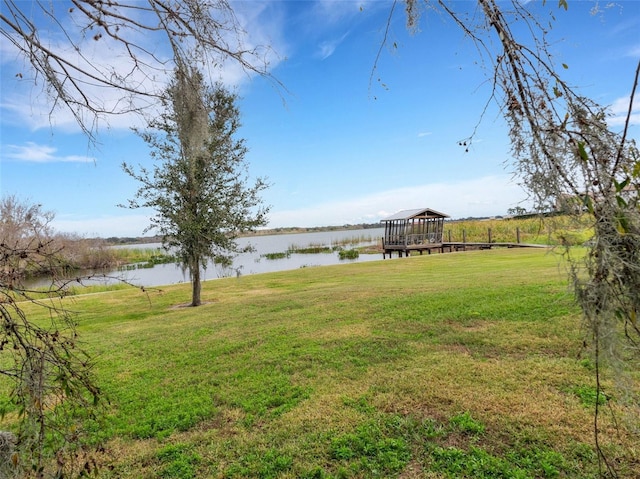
point(136, 258)
point(454, 365)
point(280, 255)
point(348, 254)
point(551, 230)
point(338, 245)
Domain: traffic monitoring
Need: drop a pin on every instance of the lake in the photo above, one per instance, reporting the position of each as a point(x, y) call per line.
point(255, 262)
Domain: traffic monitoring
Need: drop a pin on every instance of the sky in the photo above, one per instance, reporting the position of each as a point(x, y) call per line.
point(343, 139)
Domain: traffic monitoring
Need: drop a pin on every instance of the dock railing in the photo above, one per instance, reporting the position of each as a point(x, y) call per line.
point(412, 239)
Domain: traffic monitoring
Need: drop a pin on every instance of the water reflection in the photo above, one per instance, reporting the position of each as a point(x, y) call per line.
point(255, 263)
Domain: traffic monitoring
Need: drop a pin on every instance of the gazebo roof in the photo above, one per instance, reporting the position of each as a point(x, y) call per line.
point(415, 213)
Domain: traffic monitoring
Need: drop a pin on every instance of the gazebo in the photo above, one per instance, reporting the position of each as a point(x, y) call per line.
point(413, 230)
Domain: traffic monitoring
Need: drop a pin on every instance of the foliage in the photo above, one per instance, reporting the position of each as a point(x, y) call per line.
point(199, 190)
point(47, 376)
point(310, 249)
point(348, 254)
point(65, 253)
point(280, 255)
point(138, 258)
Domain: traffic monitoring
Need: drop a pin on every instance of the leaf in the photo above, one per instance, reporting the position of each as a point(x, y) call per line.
point(623, 225)
point(563, 4)
point(621, 201)
point(588, 202)
point(565, 66)
point(582, 152)
point(621, 186)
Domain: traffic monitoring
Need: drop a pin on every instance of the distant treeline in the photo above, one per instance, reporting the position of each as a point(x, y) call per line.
point(113, 240)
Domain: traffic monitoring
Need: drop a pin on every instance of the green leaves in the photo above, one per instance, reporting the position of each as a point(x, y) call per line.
point(199, 189)
point(622, 185)
point(588, 203)
point(582, 152)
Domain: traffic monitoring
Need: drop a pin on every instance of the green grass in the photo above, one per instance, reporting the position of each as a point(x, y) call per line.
point(552, 230)
point(348, 254)
point(443, 366)
point(281, 255)
point(137, 258)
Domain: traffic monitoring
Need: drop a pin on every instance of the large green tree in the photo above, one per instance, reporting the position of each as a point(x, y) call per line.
point(199, 186)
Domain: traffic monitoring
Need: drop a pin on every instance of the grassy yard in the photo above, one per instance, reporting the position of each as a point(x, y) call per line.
point(444, 366)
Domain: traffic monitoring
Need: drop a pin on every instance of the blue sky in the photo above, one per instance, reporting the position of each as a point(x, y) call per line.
point(338, 145)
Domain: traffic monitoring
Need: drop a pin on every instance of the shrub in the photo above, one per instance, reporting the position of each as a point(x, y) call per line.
point(349, 254)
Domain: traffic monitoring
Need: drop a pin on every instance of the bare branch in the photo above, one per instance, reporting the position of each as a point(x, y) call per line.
point(144, 37)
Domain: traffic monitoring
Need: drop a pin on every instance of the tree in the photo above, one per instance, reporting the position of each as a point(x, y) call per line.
point(59, 40)
point(563, 146)
point(516, 211)
point(94, 59)
point(49, 376)
point(200, 189)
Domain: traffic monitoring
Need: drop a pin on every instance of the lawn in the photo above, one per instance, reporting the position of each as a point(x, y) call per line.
point(444, 366)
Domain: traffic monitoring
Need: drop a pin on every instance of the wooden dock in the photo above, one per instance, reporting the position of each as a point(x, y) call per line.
point(450, 246)
point(423, 230)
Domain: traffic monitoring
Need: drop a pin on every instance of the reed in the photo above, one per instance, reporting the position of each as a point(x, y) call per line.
point(554, 230)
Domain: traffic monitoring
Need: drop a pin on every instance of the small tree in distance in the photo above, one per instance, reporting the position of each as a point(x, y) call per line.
point(199, 189)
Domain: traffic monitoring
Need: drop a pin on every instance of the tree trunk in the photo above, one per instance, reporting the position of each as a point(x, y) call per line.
point(196, 286)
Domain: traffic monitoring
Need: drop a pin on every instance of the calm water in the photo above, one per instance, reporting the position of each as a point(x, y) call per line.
point(254, 263)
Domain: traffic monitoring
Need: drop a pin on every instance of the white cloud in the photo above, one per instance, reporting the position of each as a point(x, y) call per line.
point(35, 153)
point(328, 47)
point(487, 196)
point(336, 11)
point(30, 105)
point(103, 227)
point(634, 52)
point(619, 110)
